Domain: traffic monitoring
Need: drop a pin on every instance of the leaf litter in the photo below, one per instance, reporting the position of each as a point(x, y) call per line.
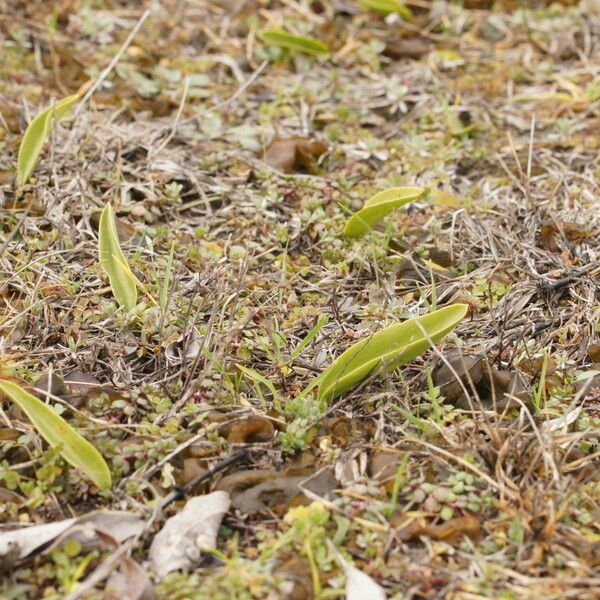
point(482, 450)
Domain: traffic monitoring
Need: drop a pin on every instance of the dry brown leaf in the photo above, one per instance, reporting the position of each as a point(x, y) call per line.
point(294, 154)
point(250, 430)
point(552, 232)
point(296, 570)
point(409, 528)
point(413, 47)
point(128, 582)
point(493, 386)
point(259, 491)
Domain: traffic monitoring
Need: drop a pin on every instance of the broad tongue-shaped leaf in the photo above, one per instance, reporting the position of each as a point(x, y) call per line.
point(37, 133)
point(74, 448)
point(389, 348)
point(113, 261)
point(298, 43)
point(378, 206)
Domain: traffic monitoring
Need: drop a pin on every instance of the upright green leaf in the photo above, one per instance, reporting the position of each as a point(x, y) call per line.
point(74, 448)
point(36, 134)
point(386, 7)
point(388, 349)
point(378, 206)
point(113, 261)
point(297, 43)
point(164, 292)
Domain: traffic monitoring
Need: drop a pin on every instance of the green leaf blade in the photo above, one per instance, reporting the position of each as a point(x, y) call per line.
point(74, 448)
point(389, 348)
point(379, 206)
point(297, 43)
point(113, 261)
point(36, 134)
point(386, 7)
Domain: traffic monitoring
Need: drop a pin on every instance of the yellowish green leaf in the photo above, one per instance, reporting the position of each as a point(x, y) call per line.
point(386, 7)
point(113, 261)
point(592, 91)
point(297, 43)
point(388, 349)
point(456, 126)
point(378, 206)
point(74, 448)
point(445, 198)
point(164, 292)
point(37, 133)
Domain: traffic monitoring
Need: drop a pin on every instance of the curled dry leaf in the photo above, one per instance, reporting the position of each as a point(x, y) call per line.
point(294, 154)
point(73, 387)
point(183, 537)
point(28, 541)
point(359, 586)
point(264, 491)
point(496, 388)
point(409, 528)
point(553, 232)
point(413, 47)
point(250, 430)
point(128, 582)
point(296, 573)
point(383, 465)
point(185, 348)
point(593, 352)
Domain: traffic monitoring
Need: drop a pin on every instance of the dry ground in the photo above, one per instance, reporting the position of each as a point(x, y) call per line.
point(431, 493)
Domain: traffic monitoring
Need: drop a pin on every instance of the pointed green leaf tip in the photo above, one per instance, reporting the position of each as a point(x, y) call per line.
point(297, 43)
point(388, 349)
point(378, 206)
point(386, 7)
point(74, 448)
point(113, 261)
point(37, 132)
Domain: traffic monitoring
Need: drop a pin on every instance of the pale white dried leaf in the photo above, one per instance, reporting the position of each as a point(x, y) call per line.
point(359, 586)
point(25, 541)
point(561, 424)
point(183, 537)
point(128, 582)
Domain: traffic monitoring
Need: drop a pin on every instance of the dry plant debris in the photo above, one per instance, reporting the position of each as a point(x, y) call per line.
point(233, 160)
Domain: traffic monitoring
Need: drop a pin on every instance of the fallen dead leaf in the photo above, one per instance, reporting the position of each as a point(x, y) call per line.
point(412, 47)
point(29, 541)
point(250, 430)
point(178, 545)
point(296, 571)
point(261, 491)
point(494, 387)
point(294, 154)
point(593, 352)
point(359, 586)
point(410, 528)
point(128, 582)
